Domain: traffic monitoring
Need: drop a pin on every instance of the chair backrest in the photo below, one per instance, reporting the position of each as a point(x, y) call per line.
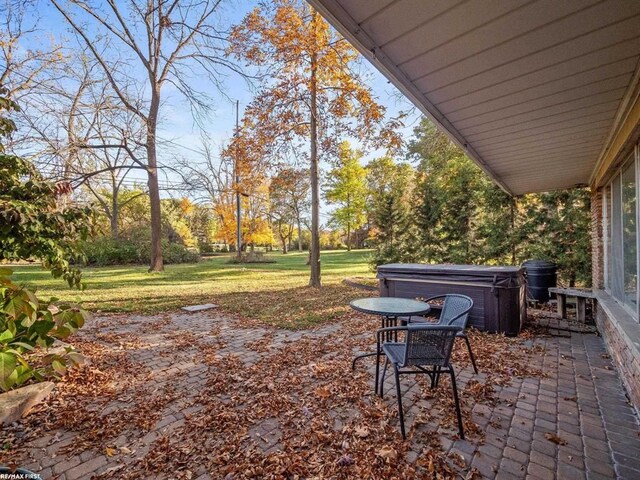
point(455, 310)
point(429, 344)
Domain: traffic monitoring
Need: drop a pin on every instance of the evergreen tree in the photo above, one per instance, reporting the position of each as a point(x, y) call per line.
point(556, 226)
point(455, 214)
point(496, 225)
point(390, 192)
point(459, 187)
point(447, 197)
point(427, 213)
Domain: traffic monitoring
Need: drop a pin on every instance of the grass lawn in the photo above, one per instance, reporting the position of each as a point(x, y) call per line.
point(273, 292)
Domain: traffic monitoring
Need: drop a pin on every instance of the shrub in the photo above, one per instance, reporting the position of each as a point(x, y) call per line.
point(26, 324)
point(213, 248)
point(35, 225)
point(178, 253)
point(251, 257)
point(32, 223)
point(108, 251)
point(206, 247)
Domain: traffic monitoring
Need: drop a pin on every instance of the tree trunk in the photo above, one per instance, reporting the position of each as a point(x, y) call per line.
point(314, 254)
point(299, 235)
point(348, 223)
point(284, 244)
point(115, 212)
point(157, 264)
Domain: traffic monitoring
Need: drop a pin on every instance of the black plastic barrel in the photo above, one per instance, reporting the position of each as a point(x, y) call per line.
point(541, 276)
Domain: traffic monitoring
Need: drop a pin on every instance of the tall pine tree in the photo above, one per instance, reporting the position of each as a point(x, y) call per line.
point(390, 193)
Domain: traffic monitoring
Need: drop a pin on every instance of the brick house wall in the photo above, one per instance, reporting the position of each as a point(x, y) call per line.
point(618, 329)
point(621, 346)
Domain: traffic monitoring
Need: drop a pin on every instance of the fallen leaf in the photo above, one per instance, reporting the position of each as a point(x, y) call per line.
point(111, 470)
point(323, 392)
point(362, 432)
point(458, 459)
point(387, 453)
point(552, 437)
point(346, 460)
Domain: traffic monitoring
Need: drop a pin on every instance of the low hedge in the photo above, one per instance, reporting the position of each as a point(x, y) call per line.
point(109, 251)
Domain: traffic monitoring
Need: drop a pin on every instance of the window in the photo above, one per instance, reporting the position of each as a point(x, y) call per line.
point(620, 234)
point(616, 239)
point(606, 222)
point(629, 242)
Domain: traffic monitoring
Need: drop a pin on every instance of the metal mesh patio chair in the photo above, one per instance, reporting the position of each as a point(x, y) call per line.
point(455, 311)
point(423, 346)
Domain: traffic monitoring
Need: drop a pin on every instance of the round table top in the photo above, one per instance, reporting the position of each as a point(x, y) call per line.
point(390, 306)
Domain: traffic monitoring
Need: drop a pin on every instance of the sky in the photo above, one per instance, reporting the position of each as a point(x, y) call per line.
point(177, 124)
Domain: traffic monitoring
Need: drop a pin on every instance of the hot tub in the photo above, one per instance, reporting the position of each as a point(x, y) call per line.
point(498, 292)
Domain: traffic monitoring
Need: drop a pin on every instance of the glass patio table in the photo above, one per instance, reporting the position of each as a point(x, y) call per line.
point(389, 309)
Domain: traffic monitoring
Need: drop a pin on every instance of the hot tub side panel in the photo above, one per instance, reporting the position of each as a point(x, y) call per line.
point(483, 315)
point(498, 306)
point(511, 309)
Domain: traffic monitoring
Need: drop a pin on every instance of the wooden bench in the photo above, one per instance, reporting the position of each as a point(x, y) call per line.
point(581, 296)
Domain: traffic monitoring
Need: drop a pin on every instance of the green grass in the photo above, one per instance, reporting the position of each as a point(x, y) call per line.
point(273, 292)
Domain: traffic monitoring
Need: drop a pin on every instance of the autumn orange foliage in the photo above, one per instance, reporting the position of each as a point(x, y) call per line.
point(315, 97)
point(255, 224)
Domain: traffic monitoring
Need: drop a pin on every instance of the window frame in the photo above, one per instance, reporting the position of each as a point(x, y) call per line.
point(630, 162)
point(609, 235)
point(606, 232)
point(636, 162)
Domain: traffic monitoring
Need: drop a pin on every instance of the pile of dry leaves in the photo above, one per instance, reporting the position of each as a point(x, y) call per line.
point(297, 411)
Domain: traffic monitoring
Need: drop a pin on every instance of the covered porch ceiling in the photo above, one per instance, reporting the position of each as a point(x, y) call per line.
point(532, 90)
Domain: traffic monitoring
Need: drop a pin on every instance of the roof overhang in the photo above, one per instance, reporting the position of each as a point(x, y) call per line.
point(533, 91)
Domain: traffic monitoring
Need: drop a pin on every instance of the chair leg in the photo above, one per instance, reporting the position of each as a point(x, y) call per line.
point(473, 360)
point(384, 373)
point(400, 412)
point(377, 371)
point(433, 377)
point(457, 402)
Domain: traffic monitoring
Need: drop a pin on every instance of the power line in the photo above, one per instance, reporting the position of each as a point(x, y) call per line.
point(172, 142)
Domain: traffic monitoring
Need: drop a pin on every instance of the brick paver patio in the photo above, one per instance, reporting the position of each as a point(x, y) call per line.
point(571, 421)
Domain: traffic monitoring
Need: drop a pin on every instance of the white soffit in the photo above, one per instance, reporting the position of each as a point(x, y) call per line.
point(530, 89)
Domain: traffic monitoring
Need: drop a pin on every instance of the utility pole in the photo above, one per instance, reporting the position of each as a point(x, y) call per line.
point(237, 180)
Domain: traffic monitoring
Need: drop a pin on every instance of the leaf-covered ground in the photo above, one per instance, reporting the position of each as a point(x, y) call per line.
point(275, 293)
point(184, 396)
